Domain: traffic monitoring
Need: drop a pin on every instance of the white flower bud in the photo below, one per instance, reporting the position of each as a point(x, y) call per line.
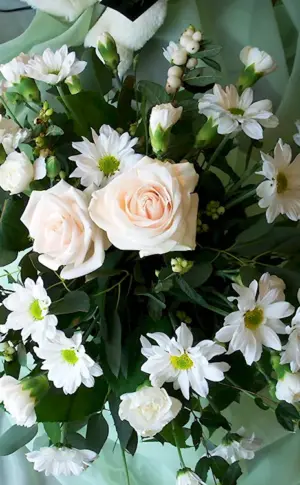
point(174, 82)
point(192, 63)
point(180, 57)
point(185, 39)
point(192, 47)
point(175, 71)
point(197, 36)
point(162, 118)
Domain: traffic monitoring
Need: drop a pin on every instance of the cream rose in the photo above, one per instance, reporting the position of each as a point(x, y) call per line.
point(150, 208)
point(149, 410)
point(63, 232)
point(16, 173)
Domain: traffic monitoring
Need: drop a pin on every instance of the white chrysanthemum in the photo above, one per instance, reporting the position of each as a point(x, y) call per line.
point(233, 113)
point(14, 70)
point(54, 67)
point(261, 61)
point(256, 323)
point(280, 193)
point(17, 401)
point(288, 388)
point(175, 53)
point(291, 354)
point(179, 362)
point(149, 410)
point(269, 282)
point(188, 477)
point(297, 135)
point(29, 307)
point(67, 363)
point(61, 461)
point(237, 447)
point(11, 135)
point(109, 154)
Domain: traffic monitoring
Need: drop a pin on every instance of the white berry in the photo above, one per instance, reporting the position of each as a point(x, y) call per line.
point(170, 90)
point(180, 57)
point(191, 63)
point(185, 39)
point(174, 82)
point(189, 31)
point(192, 47)
point(175, 71)
point(197, 36)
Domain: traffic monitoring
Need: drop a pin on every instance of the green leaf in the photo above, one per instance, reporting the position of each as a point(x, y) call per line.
point(97, 433)
point(124, 430)
point(261, 404)
point(248, 274)
point(211, 63)
point(72, 302)
point(198, 274)
point(27, 268)
point(53, 431)
point(213, 420)
point(54, 130)
point(195, 297)
point(211, 51)
point(232, 474)
point(3, 196)
point(154, 93)
point(77, 441)
point(15, 438)
point(222, 396)
point(126, 115)
point(257, 230)
point(132, 443)
point(202, 468)
point(12, 368)
point(197, 78)
point(196, 433)
point(7, 256)
point(13, 234)
point(113, 342)
point(96, 76)
point(181, 433)
point(286, 415)
point(218, 466)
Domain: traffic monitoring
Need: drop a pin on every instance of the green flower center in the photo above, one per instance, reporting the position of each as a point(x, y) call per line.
point(108, 165)
point(54, 71)
point(254, 318)
point(36, 310)
point(236, 111)
point(183, 362)
point(70, 356)
point(281, 183)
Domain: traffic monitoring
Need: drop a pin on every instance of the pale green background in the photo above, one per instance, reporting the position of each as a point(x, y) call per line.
point(233, 24)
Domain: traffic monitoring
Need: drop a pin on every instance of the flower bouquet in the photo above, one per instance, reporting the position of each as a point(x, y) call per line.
point(152, 286)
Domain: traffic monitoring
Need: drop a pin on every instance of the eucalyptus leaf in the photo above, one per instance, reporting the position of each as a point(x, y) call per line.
point(53, 431)
point(202, 468)
point(72, 302)
point(15, 438)
point(232, 475)
point(97, 433)
point(113, 344)
point(286, 415)
point(154, 93)
point(210, 51)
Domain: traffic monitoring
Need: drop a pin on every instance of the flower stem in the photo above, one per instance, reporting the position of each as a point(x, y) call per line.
point(248, 156)
point(125, 466)
point(9, 111)
point(241, 198)
point(64, 430)
point(217, 151)
point(182, 464)
point(69, 108)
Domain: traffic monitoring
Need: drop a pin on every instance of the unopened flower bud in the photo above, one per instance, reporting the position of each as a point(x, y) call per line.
point(29, 90)
point(192, 47)
point(49, 112)
point(74, 84)
point(192, 63)
point(38, 386)
point(206, 134)
point(175, 71)
point(7, 351)
point(183, 317)
point(162, 118)
point(180, 265)
point(62, 175)
point(197, 36)
point(174, 82)
point(53, 167)
point(107, 50)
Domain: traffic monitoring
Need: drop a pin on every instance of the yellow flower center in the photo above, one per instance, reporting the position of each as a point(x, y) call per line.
point(281, 183)
point(108, 165)
point(254, 318)
point(183, 362)
point(54, 71)
point(236, 111)
point(70, 356)
point(36, 310)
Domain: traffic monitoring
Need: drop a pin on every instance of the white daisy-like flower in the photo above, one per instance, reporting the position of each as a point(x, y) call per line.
point(233, 113)
point(11, 135)
point(67, 362)
point(296, 137)
point(280, 193)
point(14, 70)
point(288, 388)
point(29, 307)
point(61, 461)
point(187, 477)
point(17, 401)
point(109, 155)
point(177, 361)
point(236, 446)
point(261, 61)
point(54, 67)
point(291, 354)
point(256, 323)
point(175, 54)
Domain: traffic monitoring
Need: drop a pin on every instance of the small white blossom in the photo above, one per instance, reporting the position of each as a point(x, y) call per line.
point(29, 307)
point(291, 354)
point(17, 401)
point(109, 155)
point(14, 70)
point(288, 388)
point(269, 282)
point(280, 192)
point(178, 361)
point(54, 67)
point(67, 362)
point(261, 61)
point(256, 323)
point(175, 54)
point(61, 461)
point(233, 113)
point(11, 135)
point(188, 477)
point(149, 410)
point(237, 447)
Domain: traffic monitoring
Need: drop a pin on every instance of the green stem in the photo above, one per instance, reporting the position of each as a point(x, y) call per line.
point(248, 156)
point(31, 107)
point(125, 466)
point(114, 286)
point(62, 281)
point(64, 431)
point(217, 151)
point(182, 464)
point(241, 198)
point(9, 111)
point(69, 108)
point(246, 175)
